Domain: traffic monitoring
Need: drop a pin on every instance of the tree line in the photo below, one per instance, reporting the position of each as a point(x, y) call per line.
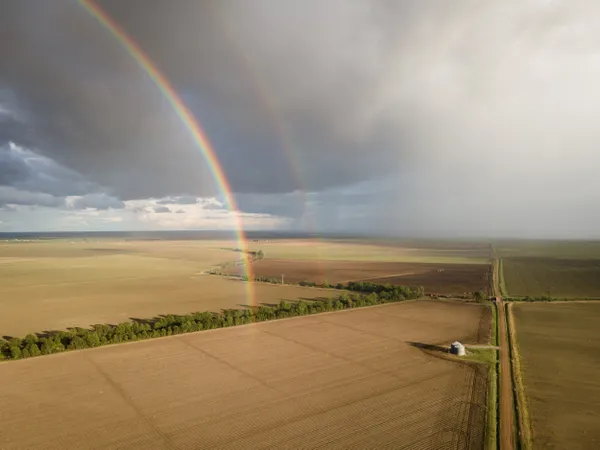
point(169, 325)
point(355, 286)
point(528, 298)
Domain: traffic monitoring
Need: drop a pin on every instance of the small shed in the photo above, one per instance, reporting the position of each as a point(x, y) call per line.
point(456, 348)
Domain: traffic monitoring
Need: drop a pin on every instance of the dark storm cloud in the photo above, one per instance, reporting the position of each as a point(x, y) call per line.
point(460, 104)
point(93, 109)
point(24, 169)
point(290, 205)
point(28, 178)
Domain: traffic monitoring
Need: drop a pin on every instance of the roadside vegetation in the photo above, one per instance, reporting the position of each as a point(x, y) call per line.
point(523, 430)
point(557, 348)
point(494, 340)
point(501, 281)
point(489, 357)
point(169, 325)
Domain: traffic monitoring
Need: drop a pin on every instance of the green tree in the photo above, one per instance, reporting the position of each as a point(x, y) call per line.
point(92, 339)
point(14, 342)
point(33, 350)
point(30, 339)
point(479, 296)
point(15, 352)
point(284, 305)
point(77, 343)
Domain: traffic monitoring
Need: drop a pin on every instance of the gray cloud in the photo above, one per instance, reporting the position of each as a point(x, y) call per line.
point(95, 111)
point(447, 108)
point(99, 201)
point(12, 196)
point(27, 170)
point(28, 178)
point(162, 209)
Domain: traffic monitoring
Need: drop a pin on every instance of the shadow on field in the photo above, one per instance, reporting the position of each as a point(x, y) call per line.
point(429, 347)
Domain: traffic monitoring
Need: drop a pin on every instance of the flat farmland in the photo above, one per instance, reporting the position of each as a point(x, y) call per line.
point(348, 379)
point(55, 285)
point(375, 251)
point(568, 278)
point(559, 344)
point(435, 278)
point(548, 249)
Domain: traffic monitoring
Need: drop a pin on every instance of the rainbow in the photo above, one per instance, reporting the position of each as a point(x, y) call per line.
point(189, 121)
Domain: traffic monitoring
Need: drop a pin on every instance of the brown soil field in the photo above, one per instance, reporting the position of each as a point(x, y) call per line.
point(559, 346)
point(54, 285)
point(445, 252)
point(348, 379)
point(435, 278)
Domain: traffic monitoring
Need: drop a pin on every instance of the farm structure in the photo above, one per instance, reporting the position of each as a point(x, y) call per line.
point(456, 348)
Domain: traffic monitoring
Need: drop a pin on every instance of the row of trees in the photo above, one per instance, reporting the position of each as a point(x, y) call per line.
point(387, 290)
point(98, 335)
point(541, 298)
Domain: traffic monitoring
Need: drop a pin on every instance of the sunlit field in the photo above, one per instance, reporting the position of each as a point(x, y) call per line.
point(286, 384)
point(58, 284)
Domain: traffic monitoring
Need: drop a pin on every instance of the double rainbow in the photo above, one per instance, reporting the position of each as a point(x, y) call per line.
point(188, 119)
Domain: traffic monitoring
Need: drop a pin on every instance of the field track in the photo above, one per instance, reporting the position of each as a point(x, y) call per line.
point(507, 411)
point(348, 379)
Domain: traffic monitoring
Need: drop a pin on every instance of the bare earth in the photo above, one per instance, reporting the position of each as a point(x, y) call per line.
point(348, 379)
point(507, 411)
point(559, 344)
point(55, 285)
point(434, 277)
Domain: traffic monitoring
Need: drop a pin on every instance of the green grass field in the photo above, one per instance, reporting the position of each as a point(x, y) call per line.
point(568, 278)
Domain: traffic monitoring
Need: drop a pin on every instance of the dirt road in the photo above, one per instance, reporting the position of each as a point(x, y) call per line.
point(507, 411)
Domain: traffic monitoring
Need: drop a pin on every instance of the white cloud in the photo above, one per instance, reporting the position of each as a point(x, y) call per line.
point(99, 201)
point(207, 213)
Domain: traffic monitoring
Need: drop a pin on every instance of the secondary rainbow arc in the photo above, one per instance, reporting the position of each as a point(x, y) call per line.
point(187, 118)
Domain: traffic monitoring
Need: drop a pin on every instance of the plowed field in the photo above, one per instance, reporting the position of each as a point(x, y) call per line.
point(559, 344)
point(339, 380)
point(435, 278)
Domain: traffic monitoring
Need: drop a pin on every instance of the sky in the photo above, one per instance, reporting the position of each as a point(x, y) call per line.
point(409, 118)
